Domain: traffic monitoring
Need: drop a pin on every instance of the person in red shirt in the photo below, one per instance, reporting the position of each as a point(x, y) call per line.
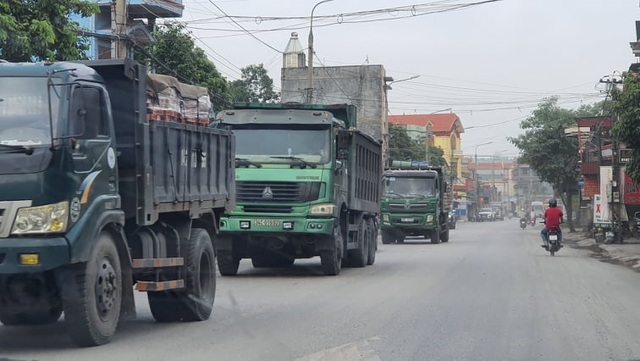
point(552, 219)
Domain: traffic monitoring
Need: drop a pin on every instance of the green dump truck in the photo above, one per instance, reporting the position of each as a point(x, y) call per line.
point(110, 178)
point(415, 202)
point(307, 183)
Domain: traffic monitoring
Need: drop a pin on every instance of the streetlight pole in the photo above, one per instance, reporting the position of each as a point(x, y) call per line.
point(385, 120)
point(478, 178)
point(310, 56)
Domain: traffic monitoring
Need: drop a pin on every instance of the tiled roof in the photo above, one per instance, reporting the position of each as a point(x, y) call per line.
point(440, 123)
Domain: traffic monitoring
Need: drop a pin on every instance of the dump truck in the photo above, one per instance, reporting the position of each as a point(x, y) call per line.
point(307, 185)
point(111, 179)
point(415, 202)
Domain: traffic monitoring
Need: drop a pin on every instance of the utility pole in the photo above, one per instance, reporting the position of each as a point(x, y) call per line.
point(426, 142)
point(118, 29)
point(310, 56)
point(616, 207)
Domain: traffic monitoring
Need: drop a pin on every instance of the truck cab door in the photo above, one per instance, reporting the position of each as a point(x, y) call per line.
point(92, 148)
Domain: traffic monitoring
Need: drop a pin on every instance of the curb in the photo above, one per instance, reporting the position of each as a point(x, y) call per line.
point(610, 251)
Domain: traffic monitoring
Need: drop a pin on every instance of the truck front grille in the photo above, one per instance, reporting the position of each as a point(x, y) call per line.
point(413, 207)
point(8, 211)
point(277, 192)
point(267, 209)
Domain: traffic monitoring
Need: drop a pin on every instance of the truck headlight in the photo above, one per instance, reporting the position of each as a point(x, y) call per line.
point(50, 218)
point(322, 209)
point(430, 218)
point(385, 217)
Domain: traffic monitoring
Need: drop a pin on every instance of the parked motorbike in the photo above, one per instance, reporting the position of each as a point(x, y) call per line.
point(523, 223)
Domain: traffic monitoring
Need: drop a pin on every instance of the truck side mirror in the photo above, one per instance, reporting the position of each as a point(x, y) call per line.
point(343, 143)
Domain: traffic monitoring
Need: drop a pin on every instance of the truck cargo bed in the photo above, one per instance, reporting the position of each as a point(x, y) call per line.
point(365, 174)
point(164, 166)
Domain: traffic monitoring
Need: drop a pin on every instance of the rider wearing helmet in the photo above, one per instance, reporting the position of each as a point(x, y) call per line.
point(552, 219)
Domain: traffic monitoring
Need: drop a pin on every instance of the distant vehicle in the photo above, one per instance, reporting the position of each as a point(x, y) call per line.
point(537, 208)
point(415, 202)
point(453, 217)
point(486, 214)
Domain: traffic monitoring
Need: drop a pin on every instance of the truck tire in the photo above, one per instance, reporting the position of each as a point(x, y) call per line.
point(93, 299)
point(227, 263)
point(358, 256)
point(261, 261)
point(197, 299)
point(195, 302)
point(373, 242)
point(435, 235)
point(330, 260)
point(387, 238)
point(445, 236)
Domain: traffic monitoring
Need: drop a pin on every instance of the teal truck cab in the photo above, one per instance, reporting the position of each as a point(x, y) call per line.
point(95, 199)
point(414, 203)
point(307, 183)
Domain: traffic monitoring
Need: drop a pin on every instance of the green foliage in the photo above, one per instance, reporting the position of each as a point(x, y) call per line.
point(551, 154)
point(174, 47)
point(255, 86)
point(34, 30)
point(627, 126)
point(546, 149)
point(402, 147)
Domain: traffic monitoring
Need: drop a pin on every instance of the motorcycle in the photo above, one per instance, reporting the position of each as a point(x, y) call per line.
point(552, 245)
point(533, 221)
point(523, 223)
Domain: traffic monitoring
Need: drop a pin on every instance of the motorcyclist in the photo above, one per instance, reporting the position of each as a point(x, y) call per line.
point(522, 214)
point(552, 219)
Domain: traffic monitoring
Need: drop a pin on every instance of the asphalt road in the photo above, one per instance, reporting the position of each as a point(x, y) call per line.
point(491, 293)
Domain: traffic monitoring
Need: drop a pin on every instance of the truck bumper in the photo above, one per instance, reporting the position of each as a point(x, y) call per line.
point(51, 253)
point(408, 222)
point(276, 225)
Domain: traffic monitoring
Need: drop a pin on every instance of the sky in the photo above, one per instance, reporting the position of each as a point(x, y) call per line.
point(491, 63)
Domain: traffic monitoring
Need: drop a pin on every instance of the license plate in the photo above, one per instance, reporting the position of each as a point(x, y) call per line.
point(267, 222)
point(406, 220)
point(553, 237)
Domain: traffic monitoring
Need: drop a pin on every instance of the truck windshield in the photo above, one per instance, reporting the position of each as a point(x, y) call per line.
point(24, 111)
point(263, 143)
point(405, 186)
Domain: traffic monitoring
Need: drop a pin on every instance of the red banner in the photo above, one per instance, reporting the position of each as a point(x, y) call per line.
point(631, 191)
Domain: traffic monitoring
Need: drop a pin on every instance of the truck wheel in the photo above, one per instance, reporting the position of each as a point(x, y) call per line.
point(435, 235)
point(92, 303)
point(387, 237)
point(261, 261)
point(358, 256)
point(445, 236)
point(195, 302)
point(372, 240)
point(227, 264)
point(330, 260)
point(200, 291)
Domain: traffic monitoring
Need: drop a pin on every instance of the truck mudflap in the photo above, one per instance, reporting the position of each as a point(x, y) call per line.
point(32, 255)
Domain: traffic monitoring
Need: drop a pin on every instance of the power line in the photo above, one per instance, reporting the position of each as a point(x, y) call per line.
point(245, 30)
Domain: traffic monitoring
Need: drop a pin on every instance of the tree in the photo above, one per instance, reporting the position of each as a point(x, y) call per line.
point(173, 52)
point(549, 152)
point(254, 86)
point(627, 126)
point(34, 30)
point(402, 147)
